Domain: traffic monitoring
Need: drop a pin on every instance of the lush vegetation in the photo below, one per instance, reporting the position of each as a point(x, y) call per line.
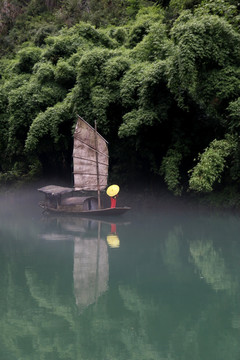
point(161, 78)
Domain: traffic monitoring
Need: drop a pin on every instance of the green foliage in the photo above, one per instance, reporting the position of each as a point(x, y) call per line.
point(205, 46)
point(58, 47)
point(3, 100)
point(222, 8)
point(176, 8)
point(153, 92)
point(42, 33)
point(130, 85)
point(141, 26)
point(170, 170)
point(219, 87)
point(97, 12)
point(211, 164)
point(144, 89)
point(90, 70)
point(133, 7)
point(235, 165)
point(25, 102)
point(21, 172)
point(164, 77)
point(70, 40)
point(155, 45)
point(180, 5)
point(10, 176)
point(3, 140)
point(98, 84)
point(27, 58)
point(233, 124)
point(44, 72)
point(100, 100)
point(116, 67)
point(91, 34)
point(134, 120)
point(65, 74)
point(45, 127)
point(27, 28)
point(119, 34)
point(233, 115)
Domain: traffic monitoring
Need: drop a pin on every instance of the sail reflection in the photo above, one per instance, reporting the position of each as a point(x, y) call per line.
point(90, 269)
point(90, 255)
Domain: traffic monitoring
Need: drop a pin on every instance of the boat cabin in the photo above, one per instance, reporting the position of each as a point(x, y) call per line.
point(83, 202)
point(58, 197)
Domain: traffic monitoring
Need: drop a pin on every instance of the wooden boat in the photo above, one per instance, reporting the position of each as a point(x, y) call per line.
point(90, 164)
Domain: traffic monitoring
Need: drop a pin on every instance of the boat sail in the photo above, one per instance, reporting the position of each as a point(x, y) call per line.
point(90, 170)
point(90, 158)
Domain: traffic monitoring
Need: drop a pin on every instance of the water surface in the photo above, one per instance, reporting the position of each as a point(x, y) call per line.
point(161, 282)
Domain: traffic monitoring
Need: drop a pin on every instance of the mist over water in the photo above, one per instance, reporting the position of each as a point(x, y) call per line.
point(160, 282)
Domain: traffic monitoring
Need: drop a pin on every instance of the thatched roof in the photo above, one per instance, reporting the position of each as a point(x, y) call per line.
point(55, 190)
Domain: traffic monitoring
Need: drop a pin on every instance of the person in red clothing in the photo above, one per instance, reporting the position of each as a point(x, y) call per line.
point(113, 201)
point(112, 192)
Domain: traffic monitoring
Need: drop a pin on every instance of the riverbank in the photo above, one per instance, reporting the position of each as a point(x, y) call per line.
point(145, 198)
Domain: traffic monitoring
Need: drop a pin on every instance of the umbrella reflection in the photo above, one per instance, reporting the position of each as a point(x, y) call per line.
point(113, 239)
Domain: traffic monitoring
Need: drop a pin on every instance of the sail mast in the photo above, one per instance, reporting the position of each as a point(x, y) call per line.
point(97, 166)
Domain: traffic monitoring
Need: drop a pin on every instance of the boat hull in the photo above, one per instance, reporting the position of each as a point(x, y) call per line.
point(96, 212)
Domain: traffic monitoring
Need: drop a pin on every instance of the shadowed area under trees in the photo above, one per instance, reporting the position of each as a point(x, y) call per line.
point(161, 78)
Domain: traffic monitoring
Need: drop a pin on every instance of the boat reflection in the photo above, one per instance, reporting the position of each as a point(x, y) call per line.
point(90, 257)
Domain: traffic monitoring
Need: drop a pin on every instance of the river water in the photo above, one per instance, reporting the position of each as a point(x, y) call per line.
point(160, 282)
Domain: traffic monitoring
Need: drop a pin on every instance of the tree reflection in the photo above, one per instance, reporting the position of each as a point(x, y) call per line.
point(171, 255)
point(211, 265)
point(68, 295)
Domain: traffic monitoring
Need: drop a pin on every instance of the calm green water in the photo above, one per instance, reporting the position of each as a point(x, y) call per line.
point(164, 285)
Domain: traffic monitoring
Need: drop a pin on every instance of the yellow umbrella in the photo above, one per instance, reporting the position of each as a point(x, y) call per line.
point(113, 241)
point(113, 190)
